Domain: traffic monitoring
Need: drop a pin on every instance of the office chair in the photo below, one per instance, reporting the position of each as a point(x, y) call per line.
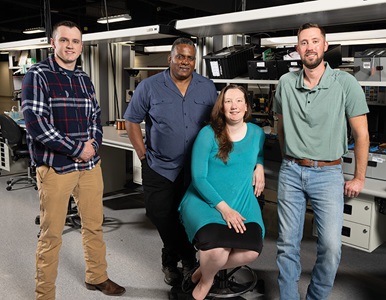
point(72, 217)
point(12, 135)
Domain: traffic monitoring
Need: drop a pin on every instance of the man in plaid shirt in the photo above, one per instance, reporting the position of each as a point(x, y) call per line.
point(64, 133)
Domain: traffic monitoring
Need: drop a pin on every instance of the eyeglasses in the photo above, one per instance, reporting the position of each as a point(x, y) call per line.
point(181, 57)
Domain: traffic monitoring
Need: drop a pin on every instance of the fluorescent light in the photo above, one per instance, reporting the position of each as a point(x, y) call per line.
point(34, 30)
point(112, 19)
point(37, 43)
point(155, 49)
point(342, 38)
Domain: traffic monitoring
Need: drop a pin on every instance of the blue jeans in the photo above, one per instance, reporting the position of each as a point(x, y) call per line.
point(324, 187)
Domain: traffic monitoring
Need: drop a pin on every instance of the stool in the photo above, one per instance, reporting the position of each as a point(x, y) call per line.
point(234, 283)
point(230, 284)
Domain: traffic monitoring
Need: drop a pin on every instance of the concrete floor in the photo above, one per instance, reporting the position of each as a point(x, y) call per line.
point(133, 254)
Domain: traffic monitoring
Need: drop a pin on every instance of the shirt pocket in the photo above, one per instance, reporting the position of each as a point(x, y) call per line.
point(203, 109)
point(161, 108)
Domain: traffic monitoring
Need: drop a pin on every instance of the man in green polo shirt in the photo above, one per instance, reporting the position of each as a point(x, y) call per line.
point(313, 107)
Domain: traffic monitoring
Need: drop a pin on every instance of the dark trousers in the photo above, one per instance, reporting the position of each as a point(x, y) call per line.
point(162, 198)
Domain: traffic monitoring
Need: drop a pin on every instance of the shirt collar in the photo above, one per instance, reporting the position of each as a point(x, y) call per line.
point(168, 81)
point(324, 83)
point(55, 66)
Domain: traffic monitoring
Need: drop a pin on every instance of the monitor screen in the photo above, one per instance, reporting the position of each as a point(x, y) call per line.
point(17, 82)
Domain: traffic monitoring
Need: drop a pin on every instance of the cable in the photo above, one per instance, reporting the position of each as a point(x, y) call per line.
point(47, 18)
point(116, 112)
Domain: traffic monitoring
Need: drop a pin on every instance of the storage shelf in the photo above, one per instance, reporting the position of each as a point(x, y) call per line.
point(246, 80)
point(135, 71)
point(285, 17)
point(375, 104)
point(147, 68)
point(372, 83)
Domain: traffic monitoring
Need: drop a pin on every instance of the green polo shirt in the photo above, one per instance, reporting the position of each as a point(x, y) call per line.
point(314, 120)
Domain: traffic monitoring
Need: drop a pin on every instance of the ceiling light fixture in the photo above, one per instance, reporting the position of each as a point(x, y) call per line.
point(34, 30)
point(366, 37)
point(112, 19)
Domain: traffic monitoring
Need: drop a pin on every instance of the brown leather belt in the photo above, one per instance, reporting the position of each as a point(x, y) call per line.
point(314, 163)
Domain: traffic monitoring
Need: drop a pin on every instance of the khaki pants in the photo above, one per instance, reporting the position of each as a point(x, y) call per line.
point(54, 191)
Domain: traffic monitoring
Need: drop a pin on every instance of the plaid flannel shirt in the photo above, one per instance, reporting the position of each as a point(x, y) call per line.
point(61, 112)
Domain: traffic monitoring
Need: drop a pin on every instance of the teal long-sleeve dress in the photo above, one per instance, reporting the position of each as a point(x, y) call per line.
point(214, 181)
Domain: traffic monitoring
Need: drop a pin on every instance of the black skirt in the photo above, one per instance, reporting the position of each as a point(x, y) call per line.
point(220, 236)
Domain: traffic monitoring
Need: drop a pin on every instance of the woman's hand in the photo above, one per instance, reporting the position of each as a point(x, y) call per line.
point(258, 180)
point(232, 217)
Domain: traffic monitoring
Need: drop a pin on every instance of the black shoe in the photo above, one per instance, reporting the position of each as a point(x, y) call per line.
point(173, 276)
point(188, 266)
point(185, 270)
point(187, 285)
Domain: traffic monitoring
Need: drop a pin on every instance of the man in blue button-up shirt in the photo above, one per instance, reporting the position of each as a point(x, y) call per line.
point(175, 105)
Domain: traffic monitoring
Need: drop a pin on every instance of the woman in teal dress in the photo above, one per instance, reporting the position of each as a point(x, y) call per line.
point(220, 210)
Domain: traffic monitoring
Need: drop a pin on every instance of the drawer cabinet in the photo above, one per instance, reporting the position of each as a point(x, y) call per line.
point(359, 210)
point(6, 162)
point(376, 165)
point(4, 156)
point(364, 227)
point(356, 235)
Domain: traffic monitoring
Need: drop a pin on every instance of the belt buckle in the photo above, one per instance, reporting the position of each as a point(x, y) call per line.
point(312, 163)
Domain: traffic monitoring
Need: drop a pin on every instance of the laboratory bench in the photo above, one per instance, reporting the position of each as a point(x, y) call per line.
point(114, 158)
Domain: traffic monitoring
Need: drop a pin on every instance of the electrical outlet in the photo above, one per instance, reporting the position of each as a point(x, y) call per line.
point(129, 94)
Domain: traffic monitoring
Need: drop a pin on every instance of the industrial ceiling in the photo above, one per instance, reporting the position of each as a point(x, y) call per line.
point(15, 16)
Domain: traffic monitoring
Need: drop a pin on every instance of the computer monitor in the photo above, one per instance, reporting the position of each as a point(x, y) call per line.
point(333, 56)
point(17, 82)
